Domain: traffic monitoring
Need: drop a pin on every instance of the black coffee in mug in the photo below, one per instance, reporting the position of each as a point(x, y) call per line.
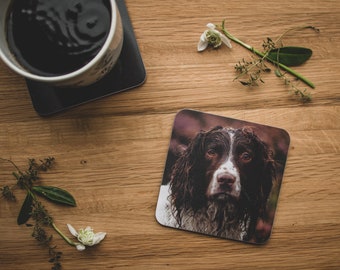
point(55, 37)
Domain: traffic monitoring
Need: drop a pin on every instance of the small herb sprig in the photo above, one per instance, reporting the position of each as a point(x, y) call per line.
point(250, 71)
point(33, 208)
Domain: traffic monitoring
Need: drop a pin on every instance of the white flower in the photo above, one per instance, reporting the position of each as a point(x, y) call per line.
point(212, 37)
point(86, 237)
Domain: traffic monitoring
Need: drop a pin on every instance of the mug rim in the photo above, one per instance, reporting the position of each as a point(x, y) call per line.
point(73, 74)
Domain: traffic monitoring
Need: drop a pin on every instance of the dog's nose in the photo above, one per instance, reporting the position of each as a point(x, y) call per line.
point(226, 179)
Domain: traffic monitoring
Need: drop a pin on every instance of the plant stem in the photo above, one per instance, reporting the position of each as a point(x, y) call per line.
point(68, 241)
point(262, 55)
point(10, 161)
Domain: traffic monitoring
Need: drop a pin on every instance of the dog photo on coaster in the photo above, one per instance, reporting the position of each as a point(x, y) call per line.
point(222, 177)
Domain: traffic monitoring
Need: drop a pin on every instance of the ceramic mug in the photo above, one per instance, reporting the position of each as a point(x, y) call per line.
point(87, 74)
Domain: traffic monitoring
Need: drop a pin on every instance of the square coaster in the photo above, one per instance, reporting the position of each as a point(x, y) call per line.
point(129, 72)
point(222, 177)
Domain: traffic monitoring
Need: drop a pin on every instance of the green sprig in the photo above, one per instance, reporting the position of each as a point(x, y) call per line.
point(33, 209)
point(265, 55)
point(283, 58)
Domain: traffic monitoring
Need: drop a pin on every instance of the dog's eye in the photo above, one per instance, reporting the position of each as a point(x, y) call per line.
point(211, 152)
point(246, 157)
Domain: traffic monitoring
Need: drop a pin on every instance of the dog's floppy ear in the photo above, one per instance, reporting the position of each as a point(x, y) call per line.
point(183, 173)
point(265, 165)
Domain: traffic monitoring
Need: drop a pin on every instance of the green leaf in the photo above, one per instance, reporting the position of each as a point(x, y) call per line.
point(290, 56)
point(55, 194)
point(26, 209)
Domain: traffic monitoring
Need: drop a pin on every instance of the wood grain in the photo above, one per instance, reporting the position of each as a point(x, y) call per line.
point(110, 153)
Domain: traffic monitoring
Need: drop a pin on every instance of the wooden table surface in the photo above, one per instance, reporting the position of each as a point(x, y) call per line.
point(110, 153)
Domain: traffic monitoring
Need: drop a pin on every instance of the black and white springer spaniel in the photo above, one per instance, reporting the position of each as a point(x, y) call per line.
point(220, 185)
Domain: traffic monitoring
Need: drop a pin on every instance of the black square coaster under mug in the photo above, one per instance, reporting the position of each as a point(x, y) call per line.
point(129, 72)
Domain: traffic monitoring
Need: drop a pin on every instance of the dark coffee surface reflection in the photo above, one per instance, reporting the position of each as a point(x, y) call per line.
point(54, 37)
